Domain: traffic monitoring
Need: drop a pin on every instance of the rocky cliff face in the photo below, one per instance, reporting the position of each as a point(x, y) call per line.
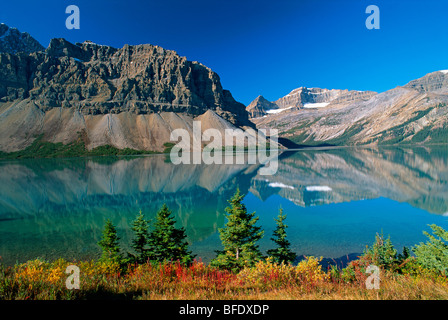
point(13, 41)
point(99, 79)
point(129, 97)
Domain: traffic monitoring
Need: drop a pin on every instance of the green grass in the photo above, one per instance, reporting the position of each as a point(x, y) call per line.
point(44, 149)
point(168, 147)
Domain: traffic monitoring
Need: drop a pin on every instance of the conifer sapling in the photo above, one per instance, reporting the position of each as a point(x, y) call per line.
point(141, 238)
point(238, 237)
point(166, 242)
point(109, 244)
point(283, 253)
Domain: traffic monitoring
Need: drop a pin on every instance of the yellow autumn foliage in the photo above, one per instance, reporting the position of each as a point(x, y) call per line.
point(268, 272)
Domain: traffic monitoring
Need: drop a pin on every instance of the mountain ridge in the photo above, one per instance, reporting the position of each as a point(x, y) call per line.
point(14, 41)
point(132, 97)
point(415, 113)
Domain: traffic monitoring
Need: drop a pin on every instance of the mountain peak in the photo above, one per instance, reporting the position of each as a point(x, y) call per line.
point(14, 41)
point(260, 99)
point(259, 107)
point(316, 96)
point(140, 79)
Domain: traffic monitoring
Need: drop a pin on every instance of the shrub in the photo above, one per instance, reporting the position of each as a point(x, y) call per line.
point(310, 270)
point(433, 254)
point(269, 273)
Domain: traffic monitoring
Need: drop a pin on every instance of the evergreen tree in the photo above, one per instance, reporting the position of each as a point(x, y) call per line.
point(109, 244)
point(433, 254)
point(166, 242)
point(238, 237)
point(283, 252)
point(141, 238)
point(383, 252)
point(404, 255)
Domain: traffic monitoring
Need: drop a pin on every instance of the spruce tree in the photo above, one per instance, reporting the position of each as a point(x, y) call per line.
point(166, 242)
point(238, 237)
point(109, 244)
point(433, 254)
point(141, 238)
point(382, 252)
point(283, 253)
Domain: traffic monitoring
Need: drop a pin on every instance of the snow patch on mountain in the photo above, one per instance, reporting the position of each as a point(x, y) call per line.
point(273, 111)
point(316, 105)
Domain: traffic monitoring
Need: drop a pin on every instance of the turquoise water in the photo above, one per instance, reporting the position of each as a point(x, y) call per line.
point(336, 200)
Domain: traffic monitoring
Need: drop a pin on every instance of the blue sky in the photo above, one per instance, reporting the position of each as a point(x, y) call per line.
point(263, 47)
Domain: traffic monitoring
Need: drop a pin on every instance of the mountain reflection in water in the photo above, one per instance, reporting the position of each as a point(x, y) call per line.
point(57, 207)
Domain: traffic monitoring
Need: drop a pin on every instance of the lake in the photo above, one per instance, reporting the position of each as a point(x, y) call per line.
point(336, 200)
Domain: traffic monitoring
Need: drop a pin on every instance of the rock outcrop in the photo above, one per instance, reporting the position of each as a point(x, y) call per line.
point(432, 82)
point(130, 97)
point(14, 41)
point(98, 79)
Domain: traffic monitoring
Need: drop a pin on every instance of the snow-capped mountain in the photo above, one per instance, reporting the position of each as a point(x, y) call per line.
point(415, 113)
point(303, 97)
